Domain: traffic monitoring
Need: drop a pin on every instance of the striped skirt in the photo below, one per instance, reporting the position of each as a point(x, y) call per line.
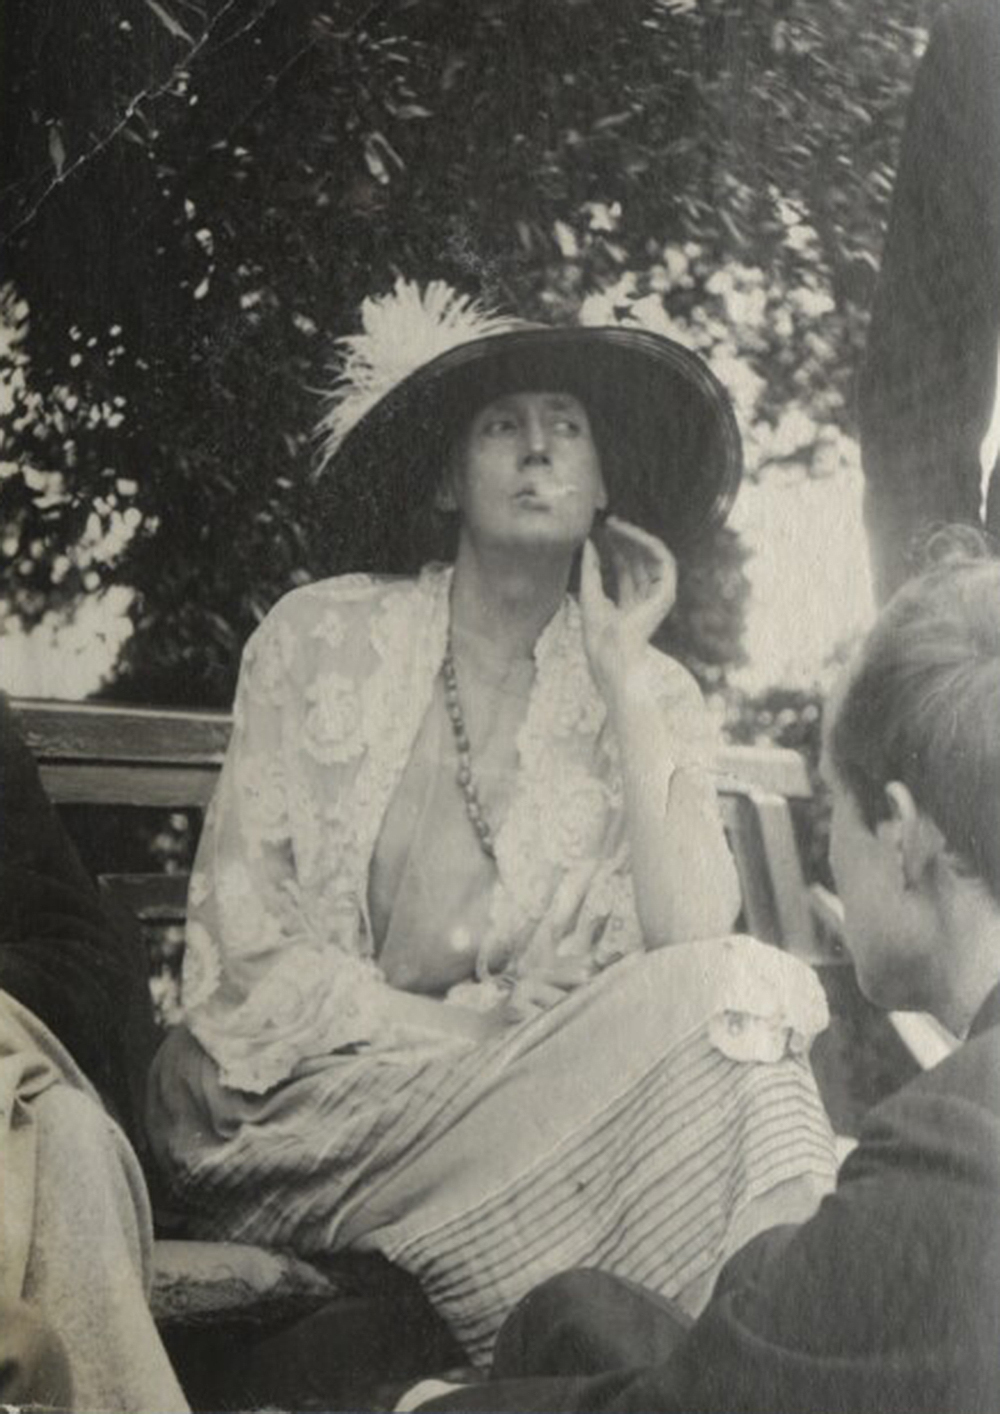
point(650, 1124)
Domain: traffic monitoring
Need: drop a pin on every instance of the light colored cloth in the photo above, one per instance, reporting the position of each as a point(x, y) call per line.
point(335, 687)
point(624, 1128)
point(651, 1121)
point(75, 1228)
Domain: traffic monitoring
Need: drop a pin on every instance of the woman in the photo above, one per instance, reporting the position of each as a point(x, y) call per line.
point(451, 803)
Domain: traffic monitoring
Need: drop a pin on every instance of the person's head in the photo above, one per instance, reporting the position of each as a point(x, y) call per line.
point(912, 755)
point(425, 367)
point(524, 472)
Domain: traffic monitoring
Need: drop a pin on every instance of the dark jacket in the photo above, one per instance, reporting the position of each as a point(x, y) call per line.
point(887, 1301)
point(64, 954)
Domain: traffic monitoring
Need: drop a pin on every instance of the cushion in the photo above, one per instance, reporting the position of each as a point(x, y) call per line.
point(197, 1282)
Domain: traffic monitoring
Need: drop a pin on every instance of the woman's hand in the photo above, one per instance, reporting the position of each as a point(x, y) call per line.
point(616, 633)
point(544, 988)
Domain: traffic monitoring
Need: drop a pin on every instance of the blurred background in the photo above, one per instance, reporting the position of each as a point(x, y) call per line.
point(198, 194)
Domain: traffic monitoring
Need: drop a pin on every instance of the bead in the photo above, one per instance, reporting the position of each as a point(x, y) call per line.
point(464, 776)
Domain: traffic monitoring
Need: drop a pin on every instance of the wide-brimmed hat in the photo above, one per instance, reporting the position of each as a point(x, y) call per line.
point(427, 360)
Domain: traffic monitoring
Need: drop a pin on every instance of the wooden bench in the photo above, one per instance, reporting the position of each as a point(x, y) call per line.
point(92, 754)
point(97, 754)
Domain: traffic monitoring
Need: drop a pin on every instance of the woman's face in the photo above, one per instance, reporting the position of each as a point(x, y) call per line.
point(527, 472)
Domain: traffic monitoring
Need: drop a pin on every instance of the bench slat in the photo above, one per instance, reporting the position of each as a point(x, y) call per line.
point(107, 732)
point(82, 731)
point(105, 754)
point(783, 870)
point(774, 769)
point(169, 787)
point(155, 898)
point(772, 884)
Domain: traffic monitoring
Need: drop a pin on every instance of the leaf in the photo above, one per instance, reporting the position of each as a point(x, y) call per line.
point(378, 152)
point(375, 165)
point(57, 150)
point(613, 120)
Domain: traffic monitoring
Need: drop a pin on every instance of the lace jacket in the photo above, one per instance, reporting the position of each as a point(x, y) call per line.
point(279, 965)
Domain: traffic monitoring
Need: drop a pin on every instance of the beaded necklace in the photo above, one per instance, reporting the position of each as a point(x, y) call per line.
point(464, 776)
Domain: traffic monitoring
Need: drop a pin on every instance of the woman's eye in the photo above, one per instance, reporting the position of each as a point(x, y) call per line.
point(567, 427)
point(498, 426)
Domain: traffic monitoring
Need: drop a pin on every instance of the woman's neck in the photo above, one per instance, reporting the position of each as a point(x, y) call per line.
point(507, 600)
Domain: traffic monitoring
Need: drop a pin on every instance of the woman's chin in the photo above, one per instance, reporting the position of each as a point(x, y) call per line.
point(549, 533)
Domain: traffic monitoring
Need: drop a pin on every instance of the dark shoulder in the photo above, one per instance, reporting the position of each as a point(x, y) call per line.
point(946, 1122)
point(910, 1239)
point(971, 1072)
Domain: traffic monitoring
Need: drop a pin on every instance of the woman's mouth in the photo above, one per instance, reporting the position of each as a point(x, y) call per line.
point(545, 496)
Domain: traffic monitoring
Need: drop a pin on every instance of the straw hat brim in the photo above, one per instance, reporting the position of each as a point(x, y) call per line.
point(669, 443)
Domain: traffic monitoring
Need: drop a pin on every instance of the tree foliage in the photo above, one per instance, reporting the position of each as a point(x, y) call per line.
point(199, 193)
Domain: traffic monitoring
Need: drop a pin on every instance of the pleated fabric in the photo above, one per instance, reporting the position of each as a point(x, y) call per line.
point(649, 1125)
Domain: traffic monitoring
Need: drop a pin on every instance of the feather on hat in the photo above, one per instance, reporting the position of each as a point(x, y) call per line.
point(401, 331)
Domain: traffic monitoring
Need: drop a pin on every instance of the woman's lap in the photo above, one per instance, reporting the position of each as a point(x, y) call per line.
point(611, 1132)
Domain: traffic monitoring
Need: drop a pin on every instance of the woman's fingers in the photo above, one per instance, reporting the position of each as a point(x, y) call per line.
point(649, 557)
point(567, 972)
point(530, 996)
point(596, 607)
point(626, 530)
point(646, 572)
point(593, 600)
point(547, 987)
point(628, 576)
point(616, 632)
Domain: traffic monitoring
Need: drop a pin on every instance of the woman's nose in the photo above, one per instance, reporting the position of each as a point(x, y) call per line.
point(535, 440)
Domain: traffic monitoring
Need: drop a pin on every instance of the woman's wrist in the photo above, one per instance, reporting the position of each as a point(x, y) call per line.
point(630, 694)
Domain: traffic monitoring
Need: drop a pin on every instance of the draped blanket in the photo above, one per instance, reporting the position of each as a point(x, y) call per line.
point(75, 1227)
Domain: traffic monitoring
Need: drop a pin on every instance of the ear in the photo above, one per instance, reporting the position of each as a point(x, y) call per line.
point(912, 834)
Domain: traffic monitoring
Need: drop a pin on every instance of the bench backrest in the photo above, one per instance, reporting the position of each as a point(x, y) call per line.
point(102, 754)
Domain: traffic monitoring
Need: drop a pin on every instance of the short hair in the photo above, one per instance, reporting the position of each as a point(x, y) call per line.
point(922, 706)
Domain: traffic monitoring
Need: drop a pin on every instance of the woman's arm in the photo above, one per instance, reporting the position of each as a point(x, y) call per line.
point(682, 871)
point(270, 978)
point(683, 874)
point(423, 1014)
